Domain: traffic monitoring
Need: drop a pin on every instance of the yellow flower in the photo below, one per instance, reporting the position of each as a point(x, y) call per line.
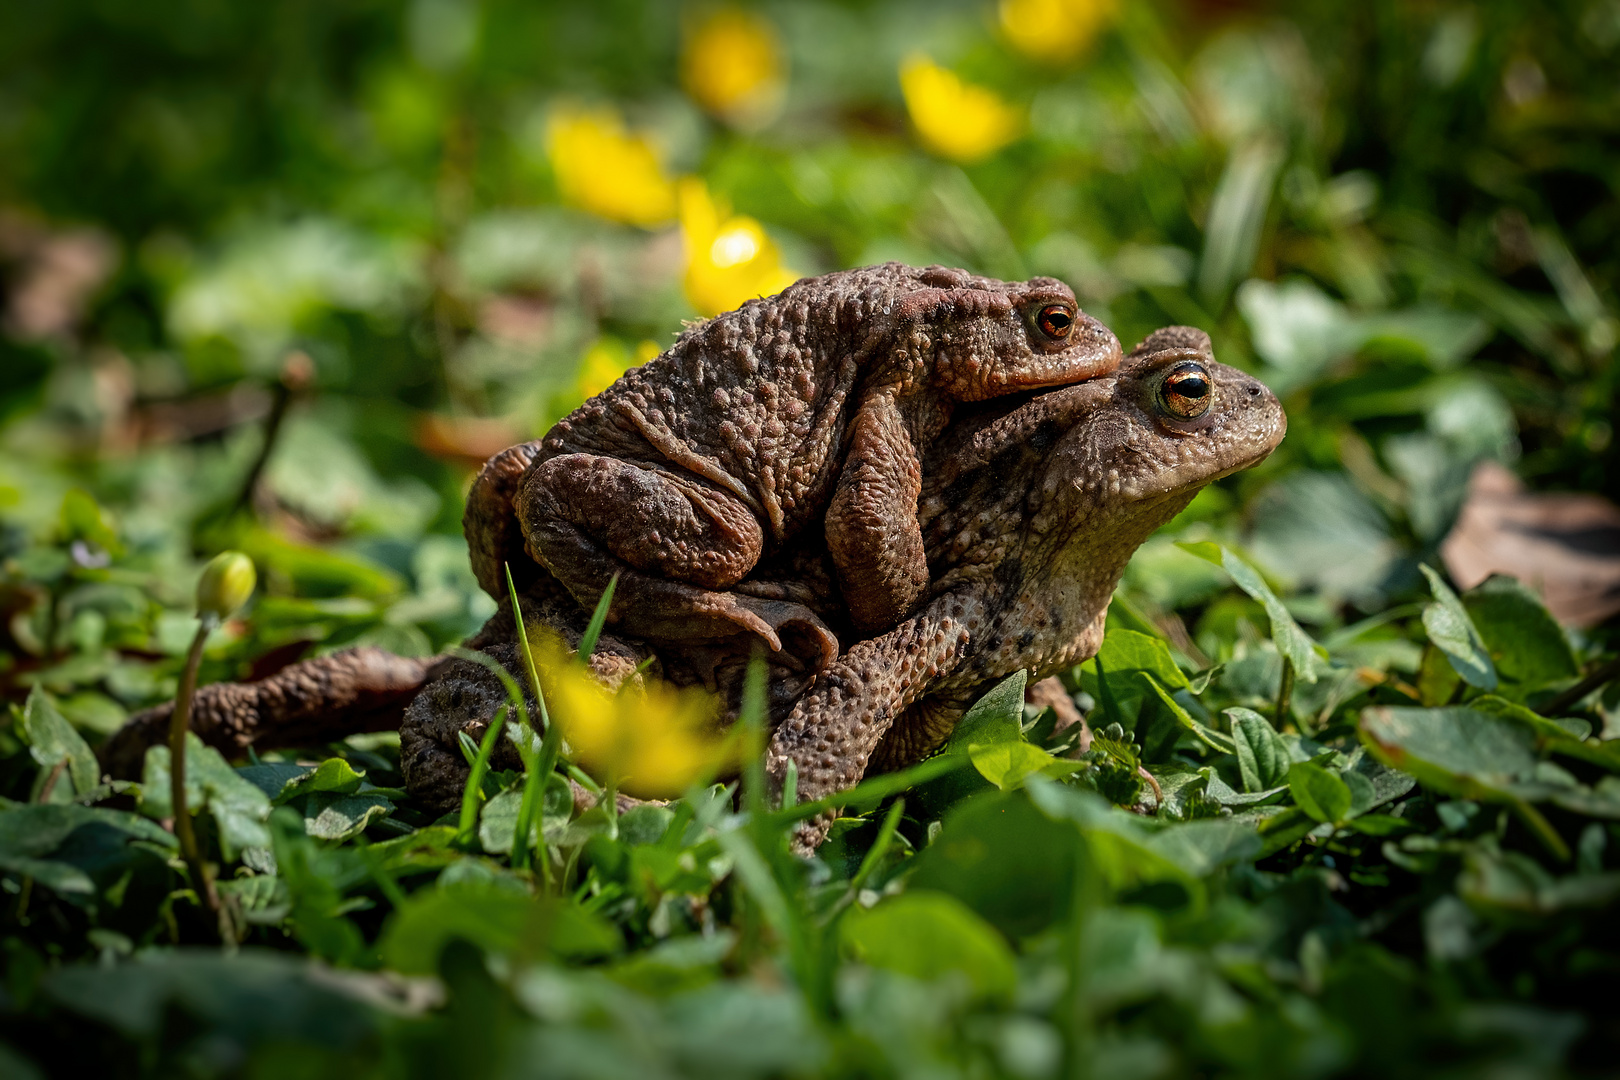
point(728, 259)
point(652, 742)
point(607, 170)
point(733, 66)
point(957, 119)
point(607, 360)
point(1054, 31)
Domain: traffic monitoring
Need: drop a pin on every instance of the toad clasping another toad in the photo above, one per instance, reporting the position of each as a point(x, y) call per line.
point(1029, 513)
point(1028, 510)
point(810, 408)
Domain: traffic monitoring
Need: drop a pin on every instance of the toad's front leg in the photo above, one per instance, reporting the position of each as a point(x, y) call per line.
point(834, 729)
point(872, 531)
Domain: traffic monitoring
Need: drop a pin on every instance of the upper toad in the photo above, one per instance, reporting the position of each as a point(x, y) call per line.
point(819, 401)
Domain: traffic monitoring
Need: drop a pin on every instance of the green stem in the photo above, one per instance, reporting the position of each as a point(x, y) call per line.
point(1572, 697)
point(179, 723)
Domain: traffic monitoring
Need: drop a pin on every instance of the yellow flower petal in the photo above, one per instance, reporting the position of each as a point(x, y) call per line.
point(728, 259)
point(1054, 31)
point(732, 65)
point(602, 168)
point(956, 119)
point(651, 742)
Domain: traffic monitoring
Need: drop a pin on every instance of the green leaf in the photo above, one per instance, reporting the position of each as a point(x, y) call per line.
point(82, 519)
point(333, 775)
point(1465, 752)
point(997, 717)
point(1292, 642)
point(239, 807)
point(1508, 883)
point(991, 736)
point(1379, 825)
point(45, 842)
point(250, 998)
point(1007, 765)
point(1319, 793)
point(593, 629)
point(1004, 858)
point(1461, 749)
point(495, 917)
point(929, 935)
point(336, 816)
point(1263, 758)
point(1526, 645)
point(274, 778)
point(1453, 633)
point(1129, 854)
point(497, 823)
point(1126, 652)
point(1218, 741)
point(53, 741)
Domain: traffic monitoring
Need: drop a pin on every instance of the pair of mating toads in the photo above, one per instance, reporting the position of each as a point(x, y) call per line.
point(909, 483)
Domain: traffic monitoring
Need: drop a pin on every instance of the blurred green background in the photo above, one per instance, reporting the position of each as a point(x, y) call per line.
point(397, 237)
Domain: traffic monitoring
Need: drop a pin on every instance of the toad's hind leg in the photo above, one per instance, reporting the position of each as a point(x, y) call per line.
point(681, 527)
point(677, 543)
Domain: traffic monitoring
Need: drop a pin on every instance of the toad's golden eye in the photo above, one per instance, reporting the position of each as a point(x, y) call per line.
point(1056, 321)
point(1186, 391)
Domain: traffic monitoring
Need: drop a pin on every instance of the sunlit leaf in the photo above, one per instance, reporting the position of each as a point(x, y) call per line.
point(1453, 633)
point(1319, 793)
point(53, 743)
point(1262, 756)
point(1292, 642)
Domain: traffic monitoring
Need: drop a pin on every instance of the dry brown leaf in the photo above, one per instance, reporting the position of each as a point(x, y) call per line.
point(1564, 546)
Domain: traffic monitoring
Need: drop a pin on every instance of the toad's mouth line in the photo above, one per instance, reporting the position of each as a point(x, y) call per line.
point(1160, 494)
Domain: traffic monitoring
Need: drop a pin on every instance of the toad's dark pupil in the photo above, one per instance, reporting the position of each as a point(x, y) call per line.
point(1056, 322)
point(1188, 384)
point(1186, 392)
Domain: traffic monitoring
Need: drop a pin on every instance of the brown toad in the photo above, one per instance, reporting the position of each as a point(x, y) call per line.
point(814, 405)
point(1029, 514)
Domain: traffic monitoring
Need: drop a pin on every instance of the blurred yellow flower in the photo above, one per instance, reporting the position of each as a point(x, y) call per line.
point(607, 360)
point(728, 259)
point(732, 65)
point(1054, 31)
point(607, 170)
point(652, 742)
point(956, 119)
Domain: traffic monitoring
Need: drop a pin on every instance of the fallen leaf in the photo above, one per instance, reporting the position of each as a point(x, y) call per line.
point(1564, 546)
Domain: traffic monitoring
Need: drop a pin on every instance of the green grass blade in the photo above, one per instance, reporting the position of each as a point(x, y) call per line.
point(528, 653)
point(593, 629)
point(879, 787)
point(751, 722)
point(475, 778)
point(879, 847)
point(534, 793)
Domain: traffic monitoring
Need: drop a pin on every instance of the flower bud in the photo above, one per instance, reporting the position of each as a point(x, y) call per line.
point(226, 583)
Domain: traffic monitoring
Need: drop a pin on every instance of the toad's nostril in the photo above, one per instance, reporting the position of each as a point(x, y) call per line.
point(1254, 390)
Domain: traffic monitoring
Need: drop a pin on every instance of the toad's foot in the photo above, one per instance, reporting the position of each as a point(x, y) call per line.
point(661, 610)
